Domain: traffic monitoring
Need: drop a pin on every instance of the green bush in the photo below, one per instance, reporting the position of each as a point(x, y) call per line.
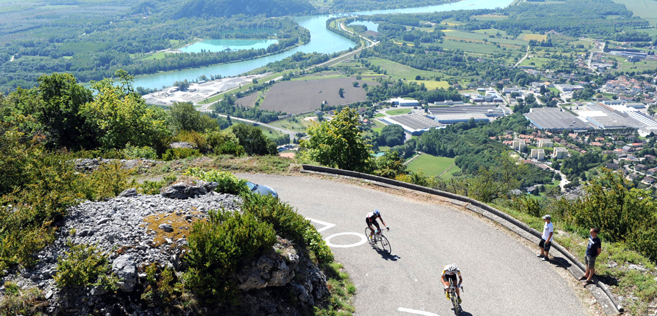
point(288, 223)
point(154, 187)
point(228, 182)
point(218, 246)
point(84, 265)
point(162, 287)
point(180, 153)
point(136, 152)
point(107, 182)
point(224, 143)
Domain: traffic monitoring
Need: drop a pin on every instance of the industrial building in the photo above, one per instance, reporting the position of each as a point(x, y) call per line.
point(403, 102)
point(460, 114)
point(555, 119)
point(414, 124)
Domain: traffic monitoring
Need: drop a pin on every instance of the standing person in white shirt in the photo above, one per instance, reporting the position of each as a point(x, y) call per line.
point(546, 239)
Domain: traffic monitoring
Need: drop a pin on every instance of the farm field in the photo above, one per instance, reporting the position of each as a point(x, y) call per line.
point(431, 165)
point(432, 84)
point(480, 47)
point(398, 112)
point(536, 37)
point(305, 96)
point(249, 100)
point(646, 9)
point(490, 17)
point(399, 71)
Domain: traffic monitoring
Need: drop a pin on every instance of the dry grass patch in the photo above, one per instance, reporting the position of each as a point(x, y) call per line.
point(181, 223)
point(536, 37)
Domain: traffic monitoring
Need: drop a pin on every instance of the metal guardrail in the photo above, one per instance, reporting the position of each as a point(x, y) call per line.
point(476, 203)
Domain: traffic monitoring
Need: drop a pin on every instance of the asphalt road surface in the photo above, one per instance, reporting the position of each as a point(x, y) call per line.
point(501, 276)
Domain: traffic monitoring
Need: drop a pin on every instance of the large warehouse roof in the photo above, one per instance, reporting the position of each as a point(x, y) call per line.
point(554, 118)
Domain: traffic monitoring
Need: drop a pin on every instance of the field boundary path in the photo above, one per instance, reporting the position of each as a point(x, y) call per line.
point(445, 171)
point(523, 58)
point(562, 257)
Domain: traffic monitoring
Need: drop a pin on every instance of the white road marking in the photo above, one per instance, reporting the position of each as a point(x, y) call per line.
point(417, 312)
point(363, 240)
point(326, 225)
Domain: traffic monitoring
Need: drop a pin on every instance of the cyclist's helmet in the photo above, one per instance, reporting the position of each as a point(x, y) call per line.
point(452, 268)
point(377, 213)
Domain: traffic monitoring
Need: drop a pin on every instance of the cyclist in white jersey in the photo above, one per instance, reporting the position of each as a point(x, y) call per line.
point(451, 272)
point(370, 219)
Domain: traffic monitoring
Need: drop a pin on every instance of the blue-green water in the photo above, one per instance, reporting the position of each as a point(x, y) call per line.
point(220, 45)
point(321, 40)
point(371, 26)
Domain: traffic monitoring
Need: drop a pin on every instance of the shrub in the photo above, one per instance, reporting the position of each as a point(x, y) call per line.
point(84, 265)
point(154, 187)
point(27, 302)
point(180, 153)
point(288, 223)
point(196, 138)
point(107, 182)
point(218, 246)
point(227, 182)
point(135, 152)
point(224, 143)
point(162, 288)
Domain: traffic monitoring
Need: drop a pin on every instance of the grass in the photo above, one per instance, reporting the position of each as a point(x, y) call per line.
point(490, 17)
point(399, 71)
point(379, 126)
point(342, 291)
point(432, 85)
point(398, 112)
point(297, 124)
point(431, 165)
point(536, 37)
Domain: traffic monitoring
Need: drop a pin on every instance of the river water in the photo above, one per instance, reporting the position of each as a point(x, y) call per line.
point(321, 41)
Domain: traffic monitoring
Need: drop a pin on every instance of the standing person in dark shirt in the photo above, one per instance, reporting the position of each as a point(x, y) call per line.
point(592, 251)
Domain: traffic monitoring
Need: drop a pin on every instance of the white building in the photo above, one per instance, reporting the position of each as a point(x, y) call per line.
point(539, 154)
point(560, 153)
point(544, 143)
point(519, 144)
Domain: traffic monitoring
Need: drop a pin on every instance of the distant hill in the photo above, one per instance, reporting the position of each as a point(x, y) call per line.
point(219, 8)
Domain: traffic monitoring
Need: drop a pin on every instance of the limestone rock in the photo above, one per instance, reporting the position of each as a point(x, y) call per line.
point(125, 269)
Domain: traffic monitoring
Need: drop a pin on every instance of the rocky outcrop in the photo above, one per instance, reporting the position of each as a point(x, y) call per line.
point(87, 164)
point(137, 231)
point(182, 145)
point(186, 190)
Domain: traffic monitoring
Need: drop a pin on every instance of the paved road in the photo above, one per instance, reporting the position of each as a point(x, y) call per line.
point(501, 276)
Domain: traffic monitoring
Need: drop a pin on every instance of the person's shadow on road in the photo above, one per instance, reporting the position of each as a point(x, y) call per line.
point(387, 256)
point(463, 313)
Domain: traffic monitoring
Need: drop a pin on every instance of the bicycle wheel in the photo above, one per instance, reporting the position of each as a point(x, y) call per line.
point(455, 303)
point(367, 236)
point(385, 245)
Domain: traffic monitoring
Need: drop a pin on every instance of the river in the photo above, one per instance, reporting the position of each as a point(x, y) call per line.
point(321, 41)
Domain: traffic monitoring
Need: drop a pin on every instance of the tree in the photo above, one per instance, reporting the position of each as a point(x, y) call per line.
point(184, 117)
point(355, 84)
point(338, 143)
point(341, 92)
point(119, 117)
point(253, 140)
point(57, 110)
point(392, 135)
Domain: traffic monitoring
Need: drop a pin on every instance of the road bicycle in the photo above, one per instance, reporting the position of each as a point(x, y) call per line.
point(454, 298)
point(378, 240)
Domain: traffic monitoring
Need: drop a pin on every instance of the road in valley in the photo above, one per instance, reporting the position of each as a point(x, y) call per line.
point(501, 276)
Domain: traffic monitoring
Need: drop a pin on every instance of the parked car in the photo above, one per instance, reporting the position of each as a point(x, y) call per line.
point(261, 189)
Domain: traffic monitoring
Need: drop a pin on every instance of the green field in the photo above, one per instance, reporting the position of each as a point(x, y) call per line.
point(398, 112)
point(399, 71)
point(298, 123)
point(434, 166)
point(378, 126)
point(432, 85)
point(646, 9)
